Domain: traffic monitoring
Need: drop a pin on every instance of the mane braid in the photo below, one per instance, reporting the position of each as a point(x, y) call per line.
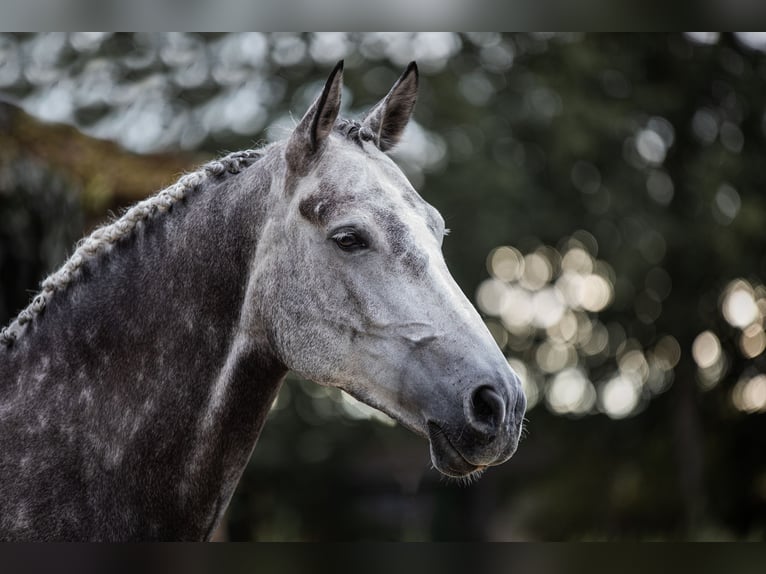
point(354, 131)
point(99, 242)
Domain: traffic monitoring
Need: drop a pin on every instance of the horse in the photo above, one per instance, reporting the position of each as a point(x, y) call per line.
point(134, 386)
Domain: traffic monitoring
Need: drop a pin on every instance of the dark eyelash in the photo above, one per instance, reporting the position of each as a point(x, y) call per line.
point(350, 240)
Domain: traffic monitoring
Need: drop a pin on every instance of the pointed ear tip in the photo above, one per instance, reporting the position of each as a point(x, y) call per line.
point(413, 67)
point(337, 71)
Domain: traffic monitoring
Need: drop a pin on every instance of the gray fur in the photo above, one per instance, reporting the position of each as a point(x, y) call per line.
point(133, 389)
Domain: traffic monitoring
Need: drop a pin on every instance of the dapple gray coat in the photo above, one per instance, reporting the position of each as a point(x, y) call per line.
point(134, 386)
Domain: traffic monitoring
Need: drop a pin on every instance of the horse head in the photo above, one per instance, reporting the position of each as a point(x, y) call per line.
point(354, 292)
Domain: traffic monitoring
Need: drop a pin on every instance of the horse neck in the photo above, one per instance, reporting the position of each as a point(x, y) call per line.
point(145, 357)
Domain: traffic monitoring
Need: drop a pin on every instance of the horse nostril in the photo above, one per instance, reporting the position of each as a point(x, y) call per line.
point(488, 407)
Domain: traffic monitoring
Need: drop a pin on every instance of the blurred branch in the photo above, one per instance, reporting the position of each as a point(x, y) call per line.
point(107, 175)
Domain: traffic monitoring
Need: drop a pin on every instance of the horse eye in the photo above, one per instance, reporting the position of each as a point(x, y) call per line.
point(349, 240)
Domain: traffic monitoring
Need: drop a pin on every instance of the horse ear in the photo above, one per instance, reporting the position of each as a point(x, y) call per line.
point(389, 117)
point(319, 120)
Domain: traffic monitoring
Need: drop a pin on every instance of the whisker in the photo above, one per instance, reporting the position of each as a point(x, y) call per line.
point(524, 428)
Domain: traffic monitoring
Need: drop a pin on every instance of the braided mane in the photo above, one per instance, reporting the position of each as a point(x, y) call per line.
point(354, 131)
point(99, 242)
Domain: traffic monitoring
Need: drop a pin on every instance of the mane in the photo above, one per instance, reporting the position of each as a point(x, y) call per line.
point(99, 242)
point(354, 131)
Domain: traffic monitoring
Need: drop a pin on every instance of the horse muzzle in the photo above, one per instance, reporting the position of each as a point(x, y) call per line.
point(486, 432)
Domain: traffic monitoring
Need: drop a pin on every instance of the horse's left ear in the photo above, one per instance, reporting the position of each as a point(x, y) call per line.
point(389, 117)
point(318, 122)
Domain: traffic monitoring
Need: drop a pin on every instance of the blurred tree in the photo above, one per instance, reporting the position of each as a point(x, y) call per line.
point(649, 147)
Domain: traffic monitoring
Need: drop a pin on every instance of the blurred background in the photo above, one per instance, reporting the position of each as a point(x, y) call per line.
point(607, 201)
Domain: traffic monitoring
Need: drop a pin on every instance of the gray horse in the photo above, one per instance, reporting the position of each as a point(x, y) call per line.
point(135, 385)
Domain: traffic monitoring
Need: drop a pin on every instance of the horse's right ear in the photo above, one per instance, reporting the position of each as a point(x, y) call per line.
point(389, 117)
point(316, 125)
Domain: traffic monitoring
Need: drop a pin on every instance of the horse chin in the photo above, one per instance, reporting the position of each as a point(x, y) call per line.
point(446, 458)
